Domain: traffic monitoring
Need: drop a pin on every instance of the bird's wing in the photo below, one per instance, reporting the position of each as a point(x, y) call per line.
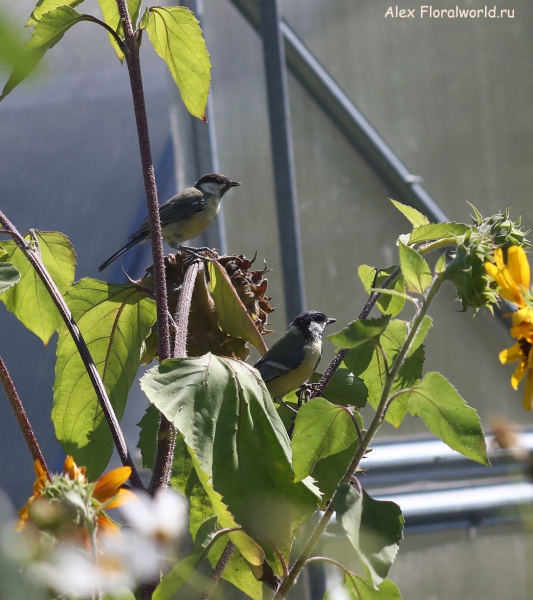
point(185, 204)
point(284, 356)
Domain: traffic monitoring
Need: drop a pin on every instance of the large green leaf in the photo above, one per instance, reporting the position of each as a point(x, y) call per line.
point(360, 588)
point(114, 320)
point(416, 218)
point(415, 270)
point(29, 300)
point(176, 36)
point(374, 528)
point(448, 416)
point(367, 363)
point(329, 471)
point(360, 332)
point(346, 388)
point(44, 6)
point(112, 18)
point(9, 276)
point(184, 480)
point(233, 315)
point(229, 421)
point(437, 231)
point(387, 304)
point(201, 489)
point(46, 33)
point(321, 429)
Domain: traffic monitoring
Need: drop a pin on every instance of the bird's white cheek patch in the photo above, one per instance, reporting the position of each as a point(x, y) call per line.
point(211, 188)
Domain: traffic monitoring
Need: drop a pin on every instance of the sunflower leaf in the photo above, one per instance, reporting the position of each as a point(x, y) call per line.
point(360, 588)
point(29, 300)
point(114, 321)
point(374, 528)
point(448, 416)
point(230, 424)
point(176, 36)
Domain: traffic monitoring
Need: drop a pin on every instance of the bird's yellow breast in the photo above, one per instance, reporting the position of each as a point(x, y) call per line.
point(280, 386)
point(185, 229)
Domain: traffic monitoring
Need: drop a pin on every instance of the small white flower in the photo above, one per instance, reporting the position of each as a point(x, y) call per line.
point(122, 563)
point(136, 554)
point(72, 573)
point(162, 519)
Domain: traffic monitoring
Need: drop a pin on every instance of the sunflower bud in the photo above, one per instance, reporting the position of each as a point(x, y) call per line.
point(501, 230)
point(466, 270)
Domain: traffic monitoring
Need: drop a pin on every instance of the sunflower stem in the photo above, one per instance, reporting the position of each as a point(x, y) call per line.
point(379, 417)
point(22, 417)
point(85, 355)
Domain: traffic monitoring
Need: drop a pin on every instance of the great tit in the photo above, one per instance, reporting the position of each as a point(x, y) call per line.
point(293, 359)
point(184, 216)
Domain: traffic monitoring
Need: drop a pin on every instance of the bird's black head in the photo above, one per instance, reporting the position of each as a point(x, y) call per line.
point(215, 184)
point(312, 323)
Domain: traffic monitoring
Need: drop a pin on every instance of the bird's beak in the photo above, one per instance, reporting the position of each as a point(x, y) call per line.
point(233, 184)
point(330, 321)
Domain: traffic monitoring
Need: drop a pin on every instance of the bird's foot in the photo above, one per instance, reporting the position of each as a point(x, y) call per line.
point(311, 387)
point(209, 253)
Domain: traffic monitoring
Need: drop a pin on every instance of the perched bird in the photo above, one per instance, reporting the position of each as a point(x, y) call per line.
point(184, 216)
point(293, 359)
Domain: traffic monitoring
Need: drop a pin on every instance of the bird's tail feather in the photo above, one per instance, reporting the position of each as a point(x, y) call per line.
point(136, 240)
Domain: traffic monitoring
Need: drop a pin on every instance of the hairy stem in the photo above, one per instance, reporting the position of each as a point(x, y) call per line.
point(166, 438)
point(92, 371)
point(184, 308)
point(22, 418)
point(152, 202)
point(216, 575)
point(362, 448)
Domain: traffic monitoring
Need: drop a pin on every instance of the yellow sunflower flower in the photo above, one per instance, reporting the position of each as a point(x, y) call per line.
point(513, 277)
point(75, 501)
point(521, 352)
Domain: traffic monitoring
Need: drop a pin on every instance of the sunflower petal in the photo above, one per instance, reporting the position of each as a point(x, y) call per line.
point(518, 375)
point(509, 286)
point(108, 485)
point(511, 354)
point(498, 257)
point(39, 469)
point(518, 266)
point(123, 496)
point(106, 526)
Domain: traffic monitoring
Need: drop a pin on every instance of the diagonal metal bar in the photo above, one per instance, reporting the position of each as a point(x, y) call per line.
point(282, 158)
point(352, 124)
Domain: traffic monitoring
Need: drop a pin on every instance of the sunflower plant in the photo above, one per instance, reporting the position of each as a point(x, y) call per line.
point(255, 480)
